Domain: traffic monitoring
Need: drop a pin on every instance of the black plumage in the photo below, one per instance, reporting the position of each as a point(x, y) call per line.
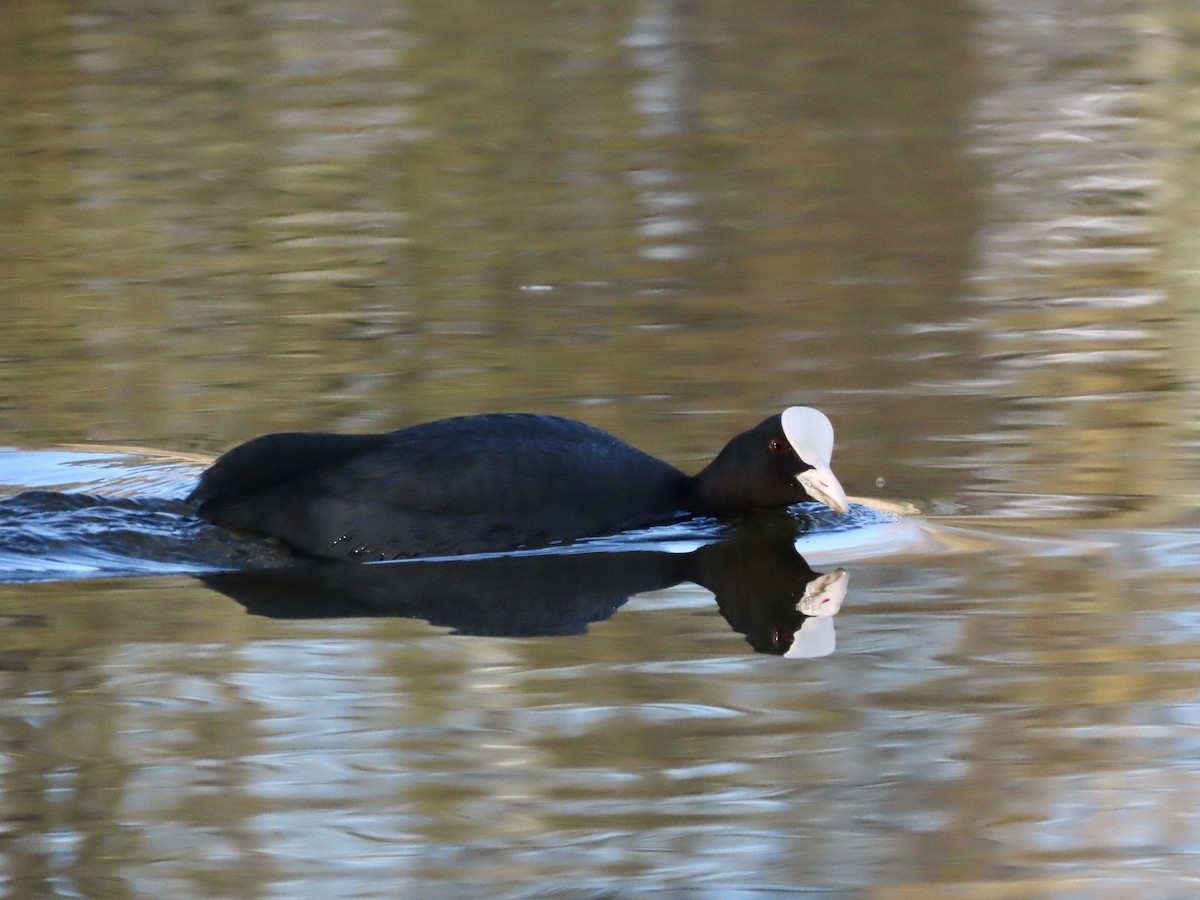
point(477, 484)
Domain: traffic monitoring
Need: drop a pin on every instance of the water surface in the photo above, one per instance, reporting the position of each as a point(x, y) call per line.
point(967, 231)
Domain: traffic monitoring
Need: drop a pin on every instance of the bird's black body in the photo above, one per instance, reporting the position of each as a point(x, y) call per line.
point(477, 484)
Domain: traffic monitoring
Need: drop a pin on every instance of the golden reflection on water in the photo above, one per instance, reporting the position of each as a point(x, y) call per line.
point(967, 231)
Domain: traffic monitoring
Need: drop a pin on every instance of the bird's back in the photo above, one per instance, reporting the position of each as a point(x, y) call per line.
point(465, 485)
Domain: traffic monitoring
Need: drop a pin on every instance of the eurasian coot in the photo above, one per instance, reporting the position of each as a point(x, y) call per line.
point(490, 483)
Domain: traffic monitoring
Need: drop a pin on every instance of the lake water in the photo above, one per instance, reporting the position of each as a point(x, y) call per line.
point(969, 232)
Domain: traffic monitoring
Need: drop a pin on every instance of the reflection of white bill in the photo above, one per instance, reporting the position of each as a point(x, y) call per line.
point(822, 599)
point(823, 596)
point(815, 638)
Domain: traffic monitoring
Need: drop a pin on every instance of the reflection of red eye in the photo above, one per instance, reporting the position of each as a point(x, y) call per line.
point(781, 639)
point(775, 445)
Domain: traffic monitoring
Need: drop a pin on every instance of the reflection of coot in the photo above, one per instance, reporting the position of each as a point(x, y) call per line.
point(495, 483)
point(758, 585)
point(767, 591)
point(512, 596)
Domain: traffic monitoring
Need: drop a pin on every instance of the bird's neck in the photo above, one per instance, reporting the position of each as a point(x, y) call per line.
point(708, 493)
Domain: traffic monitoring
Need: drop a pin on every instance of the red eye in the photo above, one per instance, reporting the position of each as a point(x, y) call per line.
point(775, 445)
